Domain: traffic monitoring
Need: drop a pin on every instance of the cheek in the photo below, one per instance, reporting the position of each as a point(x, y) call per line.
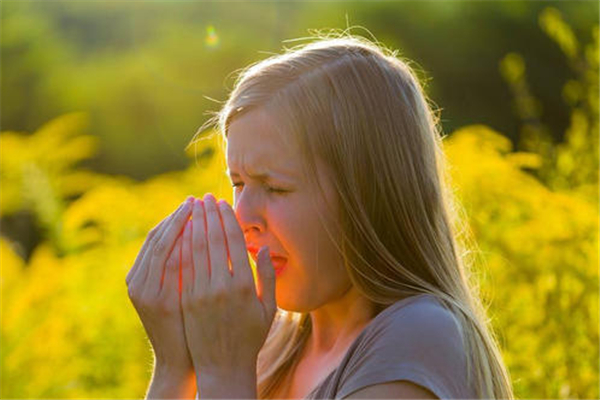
point(293, 225)
point(301, 234)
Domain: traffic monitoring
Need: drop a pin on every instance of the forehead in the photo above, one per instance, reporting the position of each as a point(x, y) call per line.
point(253, 144)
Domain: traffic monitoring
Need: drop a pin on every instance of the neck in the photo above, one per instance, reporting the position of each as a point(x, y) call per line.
point(336, 324)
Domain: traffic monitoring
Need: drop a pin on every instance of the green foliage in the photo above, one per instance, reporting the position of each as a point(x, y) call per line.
point(572, 164)
point(68, 329)
point(541, 266)
point(145, 70)
point(39, 171)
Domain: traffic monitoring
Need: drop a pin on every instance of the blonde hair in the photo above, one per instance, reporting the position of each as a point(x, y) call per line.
point(357, 106)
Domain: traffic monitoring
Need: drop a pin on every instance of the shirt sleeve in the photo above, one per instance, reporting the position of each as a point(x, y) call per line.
point(420, 344)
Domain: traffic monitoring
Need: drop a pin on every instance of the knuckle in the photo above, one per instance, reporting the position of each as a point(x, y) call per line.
point(191, 302)
point(172, 264)
point(181, 214)
point(200, 247)
point(186, 301)
point(240, 286)
point(219, 296)
point(133, 293)
point(211, 210)
point(187, 232)
point(147, 301)
point(159, 248)
point(235, 230)
point(245, 290)
point(153, 232)
point(218, 238)
point(186, 265)
point(166, 307)
point(152, 243)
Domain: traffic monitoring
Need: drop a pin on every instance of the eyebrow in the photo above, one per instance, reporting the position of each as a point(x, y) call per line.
point(260, 177)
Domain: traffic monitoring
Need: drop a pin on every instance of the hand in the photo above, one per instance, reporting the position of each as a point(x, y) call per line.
point(153, 284)
point(226, 321)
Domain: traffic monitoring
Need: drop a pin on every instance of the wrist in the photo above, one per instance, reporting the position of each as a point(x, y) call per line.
point(173, 371)
point(239, 383)
point(172, 382)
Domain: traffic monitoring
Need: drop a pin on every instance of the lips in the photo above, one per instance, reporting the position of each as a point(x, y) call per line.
point(254, 251)
point(279, 262)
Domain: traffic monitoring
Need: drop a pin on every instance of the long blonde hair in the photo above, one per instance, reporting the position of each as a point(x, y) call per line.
point(357, 106)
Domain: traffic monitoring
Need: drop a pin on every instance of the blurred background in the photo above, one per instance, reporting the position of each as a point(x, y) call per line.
point(100, 99)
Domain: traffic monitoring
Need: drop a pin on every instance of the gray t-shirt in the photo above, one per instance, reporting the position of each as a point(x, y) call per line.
point(415, 339)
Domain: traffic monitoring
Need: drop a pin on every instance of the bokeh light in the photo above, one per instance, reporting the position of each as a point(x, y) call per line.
point(212, 39)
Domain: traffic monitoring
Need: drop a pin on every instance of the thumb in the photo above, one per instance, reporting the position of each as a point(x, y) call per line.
point(266, 280)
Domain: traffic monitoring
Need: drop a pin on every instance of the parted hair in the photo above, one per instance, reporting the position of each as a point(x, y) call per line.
point(361, 109)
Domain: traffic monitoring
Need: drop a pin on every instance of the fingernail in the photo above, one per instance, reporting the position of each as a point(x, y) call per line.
point(210, 196)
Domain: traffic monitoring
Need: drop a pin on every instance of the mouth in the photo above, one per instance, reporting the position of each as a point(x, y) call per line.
point(279, 262)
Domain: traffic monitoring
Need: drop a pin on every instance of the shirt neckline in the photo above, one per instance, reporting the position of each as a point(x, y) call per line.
point(391, 308)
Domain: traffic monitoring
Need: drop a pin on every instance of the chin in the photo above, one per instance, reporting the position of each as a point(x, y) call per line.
point(290, 302)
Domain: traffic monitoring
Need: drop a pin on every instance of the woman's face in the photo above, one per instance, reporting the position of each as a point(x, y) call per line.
point(280, 210)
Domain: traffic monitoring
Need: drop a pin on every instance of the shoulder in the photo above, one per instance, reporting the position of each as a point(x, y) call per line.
point(425, 309)
point(393, 390)
point(418, 322)
point(412, 349)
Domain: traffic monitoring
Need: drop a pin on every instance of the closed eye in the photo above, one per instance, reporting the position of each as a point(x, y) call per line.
point(270, 189)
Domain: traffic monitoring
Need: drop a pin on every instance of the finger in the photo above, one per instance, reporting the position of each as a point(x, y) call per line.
point(236, 244)
point(217, 246)
point(187, 266)
point(140, 274)
point(202, 272)
point(163, 247)
point(140, 255)
point(170, 278)
point(265, 272)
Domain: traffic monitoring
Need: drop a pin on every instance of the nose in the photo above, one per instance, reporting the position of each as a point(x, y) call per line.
point(249, 210)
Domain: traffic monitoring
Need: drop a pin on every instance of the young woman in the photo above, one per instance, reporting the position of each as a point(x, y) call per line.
point(337, 166)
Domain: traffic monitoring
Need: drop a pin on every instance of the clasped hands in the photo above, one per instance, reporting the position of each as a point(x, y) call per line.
point(208, 319)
